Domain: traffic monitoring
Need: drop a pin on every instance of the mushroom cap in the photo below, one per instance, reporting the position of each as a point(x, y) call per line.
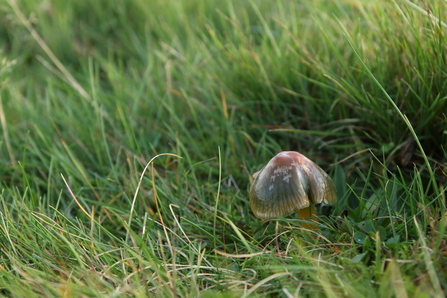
point(289, 182)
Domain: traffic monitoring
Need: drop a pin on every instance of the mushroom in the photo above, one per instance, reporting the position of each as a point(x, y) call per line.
point(290, 182)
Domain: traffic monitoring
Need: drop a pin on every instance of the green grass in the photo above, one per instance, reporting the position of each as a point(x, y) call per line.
point(91, 91)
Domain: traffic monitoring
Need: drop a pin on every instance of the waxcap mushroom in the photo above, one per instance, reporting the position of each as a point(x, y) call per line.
point(289, 182)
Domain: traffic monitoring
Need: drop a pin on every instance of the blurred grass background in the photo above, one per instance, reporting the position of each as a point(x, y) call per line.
point(225, 85)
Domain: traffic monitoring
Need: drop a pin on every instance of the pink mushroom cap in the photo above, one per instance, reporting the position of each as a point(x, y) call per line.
point(289, 182)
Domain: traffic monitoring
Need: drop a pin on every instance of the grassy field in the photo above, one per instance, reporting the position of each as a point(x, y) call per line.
point(130, 130)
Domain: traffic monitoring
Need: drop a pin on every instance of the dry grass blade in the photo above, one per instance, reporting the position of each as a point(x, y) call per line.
point(74, 83)
point(132, 207)
point(74, 198)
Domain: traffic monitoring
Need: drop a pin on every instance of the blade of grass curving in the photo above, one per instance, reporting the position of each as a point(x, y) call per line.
point(138, 188)
point(239, 234)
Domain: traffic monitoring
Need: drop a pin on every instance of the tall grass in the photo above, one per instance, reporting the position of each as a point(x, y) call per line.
point(91, 91)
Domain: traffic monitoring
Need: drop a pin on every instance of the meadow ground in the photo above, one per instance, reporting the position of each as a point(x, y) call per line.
point(209, 91)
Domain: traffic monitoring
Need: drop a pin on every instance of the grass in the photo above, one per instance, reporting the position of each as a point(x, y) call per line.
point(209, 91)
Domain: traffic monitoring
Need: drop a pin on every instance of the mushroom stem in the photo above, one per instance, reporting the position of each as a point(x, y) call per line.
point(309, 213)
